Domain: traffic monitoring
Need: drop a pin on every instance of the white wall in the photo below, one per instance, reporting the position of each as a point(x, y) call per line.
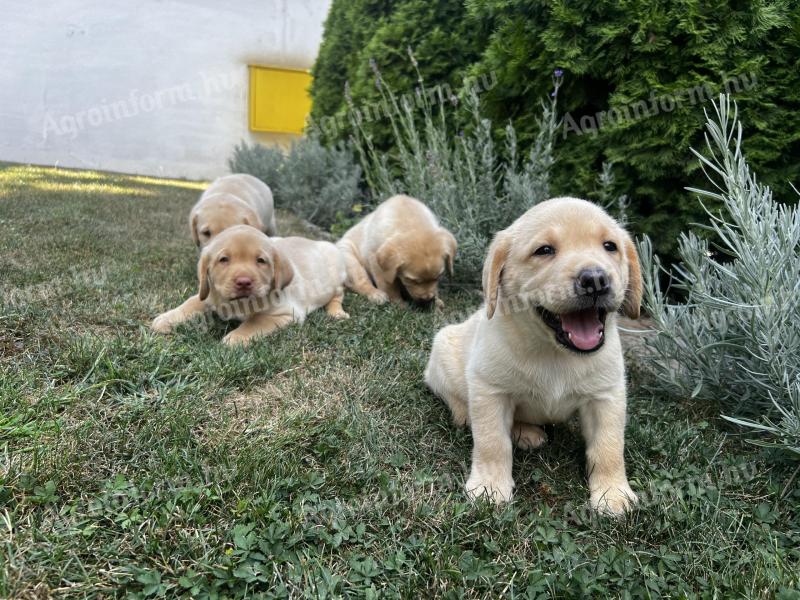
point(153, 87)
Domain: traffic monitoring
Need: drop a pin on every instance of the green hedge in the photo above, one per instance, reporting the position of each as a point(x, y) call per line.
point(362, 36)
point(629, 56)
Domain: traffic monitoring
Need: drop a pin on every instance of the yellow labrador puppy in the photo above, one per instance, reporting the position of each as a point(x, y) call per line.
point(544, 346)
point(398, 252)
point(267, 283)
point(238, 199)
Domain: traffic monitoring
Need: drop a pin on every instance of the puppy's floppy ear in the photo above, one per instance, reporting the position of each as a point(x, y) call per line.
point(251, 218)
point(493, 269)
point(203, 276)
point(193, 227)
point(633, 295)
point(451, 246)
point(283, 270)
point(389, 259)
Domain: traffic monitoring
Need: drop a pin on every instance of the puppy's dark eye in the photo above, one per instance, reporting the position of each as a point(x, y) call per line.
point(544, 251)
point(206, 232)
point(224, 259)
point(610, 246)
point(261, 260)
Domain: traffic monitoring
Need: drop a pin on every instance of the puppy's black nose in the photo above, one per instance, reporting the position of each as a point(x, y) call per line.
point(592, 282)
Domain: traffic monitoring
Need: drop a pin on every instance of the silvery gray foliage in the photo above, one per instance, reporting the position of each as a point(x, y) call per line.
point(617, 206)
point(316, 182)
point(736, 336)
point(459, 175)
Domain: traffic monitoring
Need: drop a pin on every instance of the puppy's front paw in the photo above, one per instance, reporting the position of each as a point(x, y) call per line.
point(163, 323)
point(234, 338)
point(496, 490)
point(615, 500)
point(378, 297)
point(439, 304)
point(339, 314)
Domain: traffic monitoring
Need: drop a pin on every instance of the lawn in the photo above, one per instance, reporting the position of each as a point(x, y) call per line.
point(315, 462)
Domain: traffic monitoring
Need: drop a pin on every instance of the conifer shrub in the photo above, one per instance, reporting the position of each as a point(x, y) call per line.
point(636, 75)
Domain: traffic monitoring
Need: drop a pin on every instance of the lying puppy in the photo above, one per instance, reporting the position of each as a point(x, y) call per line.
point(398, 253)
point(544, 346)
point(238, 199)
point(265, 282)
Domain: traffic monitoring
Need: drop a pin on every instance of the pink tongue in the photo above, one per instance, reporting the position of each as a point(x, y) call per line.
point(584, 327)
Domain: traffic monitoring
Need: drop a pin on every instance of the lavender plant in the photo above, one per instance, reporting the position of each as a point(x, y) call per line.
point(460, 175)
point(616, 205)
point(318, 183)
point(736, 336)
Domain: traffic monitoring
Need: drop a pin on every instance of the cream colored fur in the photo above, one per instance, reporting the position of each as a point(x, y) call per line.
point(291, 277)
point(399, 245)
point(502, 372)
point(238, 199)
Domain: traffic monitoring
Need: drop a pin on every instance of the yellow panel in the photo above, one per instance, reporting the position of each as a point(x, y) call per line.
point(279, 99)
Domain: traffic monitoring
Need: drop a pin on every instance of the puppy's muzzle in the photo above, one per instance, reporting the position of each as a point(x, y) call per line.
point(243, 284)
point(424, 303)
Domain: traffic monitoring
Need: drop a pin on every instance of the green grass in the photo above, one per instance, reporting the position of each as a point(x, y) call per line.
point(314, 463)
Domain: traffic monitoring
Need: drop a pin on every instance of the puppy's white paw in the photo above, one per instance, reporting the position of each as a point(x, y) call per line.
point(236, 339)
point(496, 490)
point(378, 297)
point(163, 323)
point(527, 436)
point(614, 500)
point(340, 315)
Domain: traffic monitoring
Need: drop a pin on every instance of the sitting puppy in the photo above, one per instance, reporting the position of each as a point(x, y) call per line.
point(545, 345)
point(238, 199)
point(398, 253)
point(265, 282)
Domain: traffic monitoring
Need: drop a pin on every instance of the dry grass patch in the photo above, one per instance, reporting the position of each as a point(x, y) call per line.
point(311, 390)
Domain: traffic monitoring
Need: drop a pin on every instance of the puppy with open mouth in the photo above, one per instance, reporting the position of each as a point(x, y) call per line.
point(544, 346)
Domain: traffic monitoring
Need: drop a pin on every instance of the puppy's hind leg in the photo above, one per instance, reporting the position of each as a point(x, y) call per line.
point(444, 375)
point(459, 409)
point(334, 307)
point(526, 436)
